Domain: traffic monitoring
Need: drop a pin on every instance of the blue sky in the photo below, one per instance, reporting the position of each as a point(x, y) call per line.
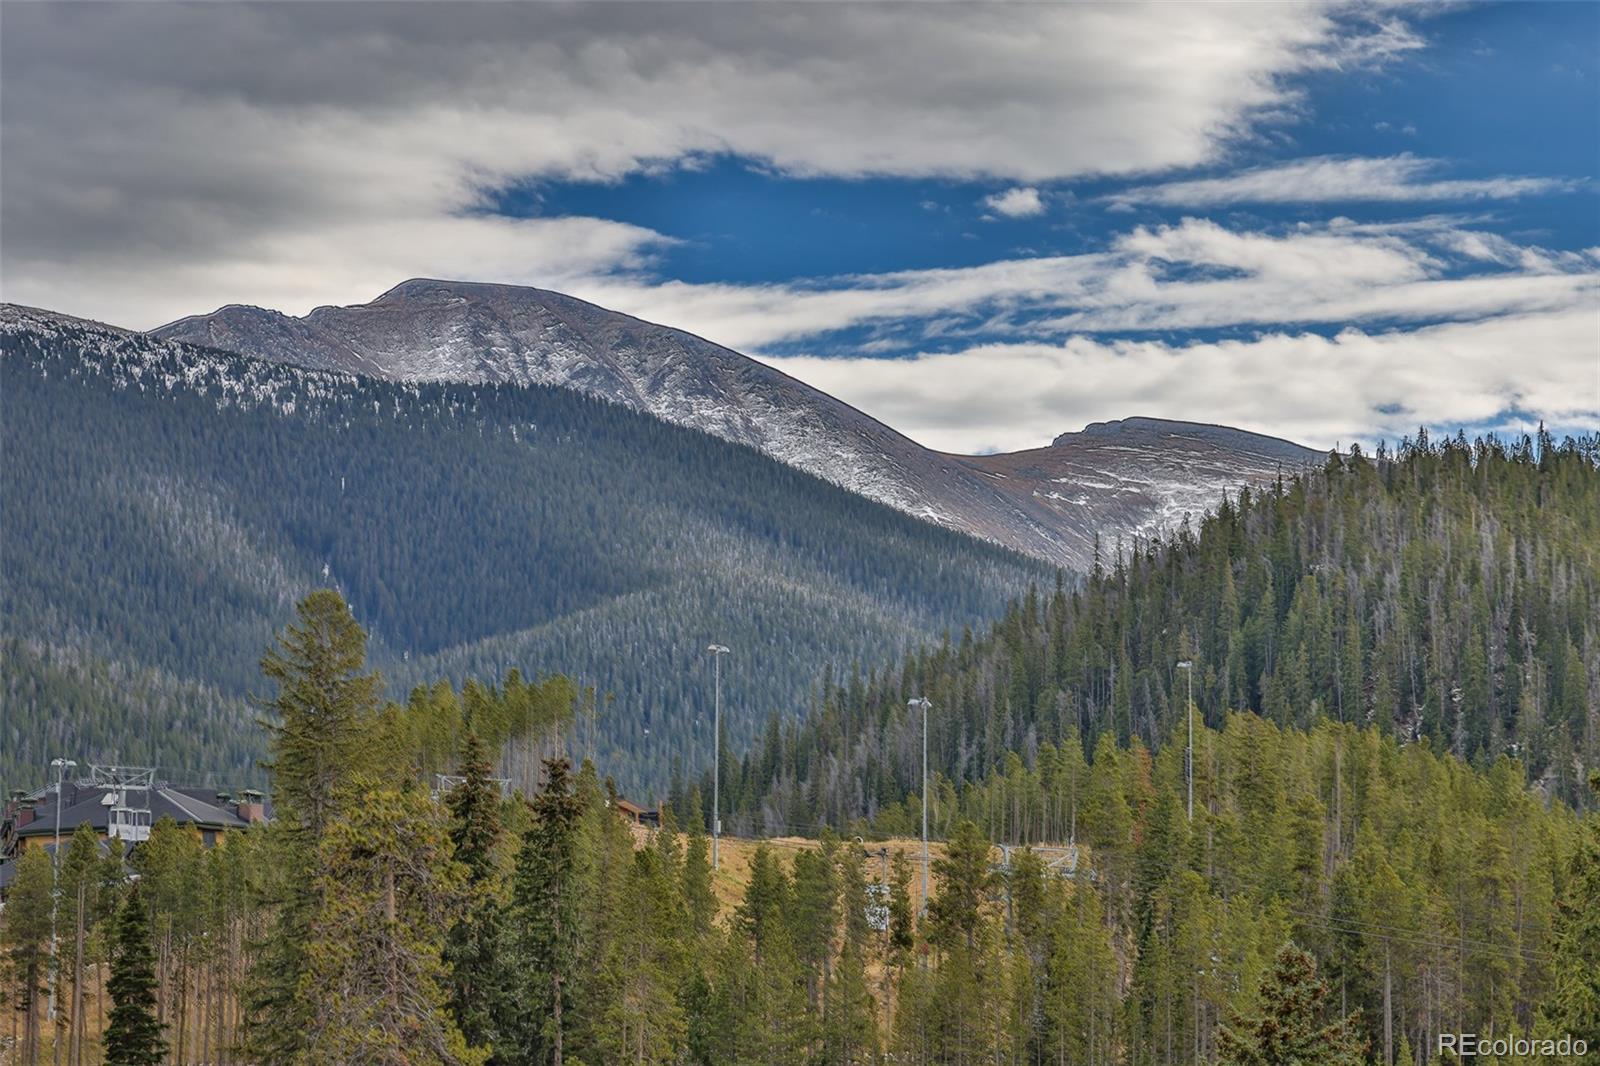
point(982, 224)
point(1497, 90)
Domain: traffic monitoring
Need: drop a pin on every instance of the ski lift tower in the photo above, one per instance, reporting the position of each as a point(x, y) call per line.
point(127, 795)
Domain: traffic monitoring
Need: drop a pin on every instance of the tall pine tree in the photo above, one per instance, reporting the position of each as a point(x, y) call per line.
point(470, 951)
point(542, 948)
point(134, 1037)
point(27, 939)
point(374, 988)
point(318, 721)
point(1574, 1007)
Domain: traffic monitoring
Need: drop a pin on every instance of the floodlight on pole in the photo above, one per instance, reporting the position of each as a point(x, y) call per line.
point(1187, 666)
point(924, 703)
point(60, 767)
point(717, 651)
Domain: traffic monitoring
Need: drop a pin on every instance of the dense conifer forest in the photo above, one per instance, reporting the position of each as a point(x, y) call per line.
point(1447, 594)
point(166, 505)
point(1339, 897)
point(60, 698)
point(1393, 662)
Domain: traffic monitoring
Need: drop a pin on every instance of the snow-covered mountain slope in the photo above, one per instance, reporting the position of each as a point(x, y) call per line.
point(167, 503)
point(1049, 503)
point(133, 360)
point(1136, 477)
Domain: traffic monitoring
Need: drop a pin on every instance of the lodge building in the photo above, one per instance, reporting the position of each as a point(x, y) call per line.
point(120, 804)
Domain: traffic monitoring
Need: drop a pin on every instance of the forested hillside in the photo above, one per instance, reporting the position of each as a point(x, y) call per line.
point(1381, 859)
point(1114, 479)
point(57, 698)
point(1339, 896)
point(1448, 593)
point(165, 505)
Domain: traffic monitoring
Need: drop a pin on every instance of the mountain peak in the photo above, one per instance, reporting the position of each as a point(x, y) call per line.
point(1134, 424)
point(1040, 502)
point(1145, 429)
point(432, 289)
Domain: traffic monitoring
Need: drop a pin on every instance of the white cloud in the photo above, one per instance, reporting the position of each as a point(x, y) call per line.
point(752, 316)
point(297, 270)
point(1357, 385)
point(1023, 201)
point(1338, 179)
point(1193, 275)
point(158, 155)
point(162, 159)
point(1201, 275)
point(1383, 41)
point(1522, 334)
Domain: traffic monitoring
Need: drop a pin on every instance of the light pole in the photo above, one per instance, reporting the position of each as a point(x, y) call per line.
point(1187, 667)
point(717, 652)
point(60, 767)
point(923, 702)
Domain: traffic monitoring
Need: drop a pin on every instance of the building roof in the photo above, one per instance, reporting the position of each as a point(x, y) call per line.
point(86, 804)
point(31, 816)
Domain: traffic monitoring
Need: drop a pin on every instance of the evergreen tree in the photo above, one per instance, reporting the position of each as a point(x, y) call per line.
point(642, 1019)
point(374, 989)
point(850, 1030)
point(170, 868)
point(1574, 1006)
point(774, 1024)
point(963, 873)
point(1029, 912)
point(697, 891)
point(1107, 820)
point(967, 992)
point(79, 900)
point(318, 721)
point(134, 1037)
point(902, 915)
point(1081, 1007)
point(470, 950)
point(543, 926)
point(814, 914)
point(27, 939)
point(1289, 1029)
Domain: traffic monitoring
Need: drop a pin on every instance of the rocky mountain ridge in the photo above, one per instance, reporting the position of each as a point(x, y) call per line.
point(1116, 480)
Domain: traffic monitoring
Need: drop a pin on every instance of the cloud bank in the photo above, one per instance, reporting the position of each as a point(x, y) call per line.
point(1196, 274)
point(1330, 179)
point(1504, 373)
point(159, 158)
point(1349, 332)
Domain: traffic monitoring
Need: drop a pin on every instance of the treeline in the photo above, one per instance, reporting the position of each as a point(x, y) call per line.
point(1448, 592)
point(171, 503)
point(1329, 881)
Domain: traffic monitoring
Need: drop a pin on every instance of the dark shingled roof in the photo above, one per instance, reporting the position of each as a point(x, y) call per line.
point(84, 805)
